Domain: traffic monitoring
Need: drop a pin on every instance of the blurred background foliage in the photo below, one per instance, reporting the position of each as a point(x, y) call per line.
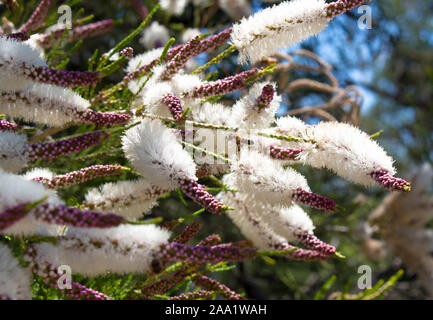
point(392, 64)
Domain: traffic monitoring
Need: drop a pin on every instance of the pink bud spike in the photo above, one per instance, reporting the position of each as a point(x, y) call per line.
point(313, 200)
point(213, 285)
point(63, 215)
point(12, 215)
point(223, 86)
point(202, 254)
point(60, 77)
point(46, 151)
point(187, 51)
point(265, 99)
point(174, 105)
point(281, 153)
point(78, 32)
point(389, 182)
point(101, 119)
point(19, 36)
point(37, 18)
point(206, 44)
point(188, 233)
point(311, 241)
point(341, 6)
point(199, 195)
point(7, 126)
point(127, 53)
point(80, 176)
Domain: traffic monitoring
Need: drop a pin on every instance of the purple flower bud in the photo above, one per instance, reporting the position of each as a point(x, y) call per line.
point(311, 241)
point(101, 119)
point(12, 215)
point(187, 51)
point(313, 200)
point(206, 44)
point(37, 18)
point(199, 195)
point(80, 176)
point(7, 126)
point(265, 99)
point(205, 254)
point(213, 285)
point(223, 86)
point(78, 32)
point(389, 182)
point(195, 295)
point(341, 6)
point(188, 233)
point(46, 151)
point(19, 36)
point(64, 215)
point(59, 77)
point(127, 53)
point(174, 105)
point(281, 153)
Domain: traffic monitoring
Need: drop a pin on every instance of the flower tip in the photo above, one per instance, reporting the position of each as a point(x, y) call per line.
point(407, 188)
point(339, 255)
point(226, 208)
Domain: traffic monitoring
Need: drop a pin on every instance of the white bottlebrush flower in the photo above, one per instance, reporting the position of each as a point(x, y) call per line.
point(15, 281)
point(235, 9)
point(13, 153)
point(212, 113)
point(340, 147)
point(155, 36)
point(143, 59)
point(182, 82)
point(264, 179)
point(155, 152)
point(12, 54)
point(287, 221)
point(249, 222)
point(138, 61)
point(123, 249)
point(43, 103)
point(246, 114)
point(280, 26)
point(34, 43)
point(174, 7)
point(38, 172)
point(16, 190)
point(130, 199)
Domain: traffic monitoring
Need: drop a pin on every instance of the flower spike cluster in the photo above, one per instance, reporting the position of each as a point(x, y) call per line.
point(170, 135)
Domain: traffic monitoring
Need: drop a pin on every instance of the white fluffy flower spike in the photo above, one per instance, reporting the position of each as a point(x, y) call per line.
point(15, 281)
point(340, 147)
point(155, 152)
point(123, 249)
point(130, 199)
point(277, 27)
